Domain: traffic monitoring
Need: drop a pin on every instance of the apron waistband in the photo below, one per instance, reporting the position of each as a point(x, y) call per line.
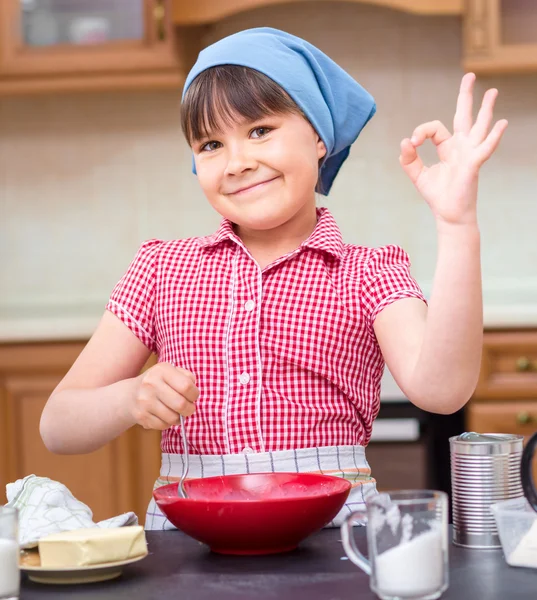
point(348, 462)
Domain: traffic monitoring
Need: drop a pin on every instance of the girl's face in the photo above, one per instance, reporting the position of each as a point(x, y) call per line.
point(263, 174)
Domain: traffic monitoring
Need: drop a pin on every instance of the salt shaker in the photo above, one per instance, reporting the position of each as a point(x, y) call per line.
point(485, 468)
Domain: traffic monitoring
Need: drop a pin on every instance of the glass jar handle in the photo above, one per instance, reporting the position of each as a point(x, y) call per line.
point(528, 484)
point(347, 538)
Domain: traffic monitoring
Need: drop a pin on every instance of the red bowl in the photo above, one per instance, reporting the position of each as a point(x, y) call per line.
point(259, 513)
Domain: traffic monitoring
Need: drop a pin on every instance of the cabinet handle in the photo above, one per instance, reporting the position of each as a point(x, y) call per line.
point(159, 14)
point(524, 418)
point(524, 364)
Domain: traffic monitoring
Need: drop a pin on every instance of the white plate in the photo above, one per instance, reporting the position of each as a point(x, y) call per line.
point(71, 575)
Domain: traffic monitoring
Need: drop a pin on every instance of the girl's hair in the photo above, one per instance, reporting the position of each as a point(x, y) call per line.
point(219, 95)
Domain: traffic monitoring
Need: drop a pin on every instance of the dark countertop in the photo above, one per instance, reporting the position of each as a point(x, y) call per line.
point(178, 567)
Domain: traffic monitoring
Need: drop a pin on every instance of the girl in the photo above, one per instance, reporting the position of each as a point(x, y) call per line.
point(272, 333)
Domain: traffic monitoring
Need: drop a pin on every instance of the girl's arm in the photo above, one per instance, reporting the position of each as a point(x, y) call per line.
point(103, 393)
point(434, 353)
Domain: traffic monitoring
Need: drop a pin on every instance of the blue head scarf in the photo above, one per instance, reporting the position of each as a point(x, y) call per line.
point(335, 104)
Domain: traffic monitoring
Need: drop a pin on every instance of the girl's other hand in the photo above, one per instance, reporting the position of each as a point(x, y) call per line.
point(164, 392)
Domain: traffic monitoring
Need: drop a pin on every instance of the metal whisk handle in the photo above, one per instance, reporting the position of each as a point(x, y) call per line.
point(181, 486)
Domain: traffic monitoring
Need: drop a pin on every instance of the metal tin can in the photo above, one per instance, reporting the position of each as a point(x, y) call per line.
point(485, 468)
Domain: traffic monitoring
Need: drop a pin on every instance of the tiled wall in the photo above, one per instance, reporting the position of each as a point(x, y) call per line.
point(85, 178)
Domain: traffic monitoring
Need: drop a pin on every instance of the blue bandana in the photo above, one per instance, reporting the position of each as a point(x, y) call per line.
point(335, 104)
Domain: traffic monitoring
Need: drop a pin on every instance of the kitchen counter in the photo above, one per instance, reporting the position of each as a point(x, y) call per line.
point(49, 324)
point(179, 567)
point(513, 316)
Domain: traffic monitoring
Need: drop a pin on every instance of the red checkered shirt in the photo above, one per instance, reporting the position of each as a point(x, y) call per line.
point(285, 357)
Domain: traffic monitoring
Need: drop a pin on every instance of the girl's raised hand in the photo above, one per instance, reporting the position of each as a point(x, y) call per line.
point(450, 186)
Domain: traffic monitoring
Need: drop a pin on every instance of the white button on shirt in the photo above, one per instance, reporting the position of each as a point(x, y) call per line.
point(244, 378)
point(247, 450)
point(249, 306)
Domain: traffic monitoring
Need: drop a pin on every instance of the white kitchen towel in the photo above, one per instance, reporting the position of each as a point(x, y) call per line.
point(46, 506)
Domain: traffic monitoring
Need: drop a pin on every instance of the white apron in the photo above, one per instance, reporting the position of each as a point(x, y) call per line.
point(348, 462)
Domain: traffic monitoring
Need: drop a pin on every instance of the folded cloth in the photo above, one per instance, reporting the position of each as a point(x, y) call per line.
point(46, 506)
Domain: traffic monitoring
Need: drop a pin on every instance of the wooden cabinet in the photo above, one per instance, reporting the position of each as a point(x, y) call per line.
point(51, 45)
point(62, 45)
point(208, 11)
point(115, 479)
point(500, 36)
point(508, 366)
point(505, 400)
point(504, 417)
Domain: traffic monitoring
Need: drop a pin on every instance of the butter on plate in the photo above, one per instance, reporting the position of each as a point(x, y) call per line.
point(83, 547)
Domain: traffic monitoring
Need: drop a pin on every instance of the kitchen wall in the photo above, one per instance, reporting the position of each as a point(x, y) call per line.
point(85, 178)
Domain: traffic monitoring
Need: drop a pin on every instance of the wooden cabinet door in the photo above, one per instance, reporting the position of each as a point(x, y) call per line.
point(500, 36)
point(504, 417)
point(47, 45)
point(208, 11)
point(508, 366)
point(115, 479)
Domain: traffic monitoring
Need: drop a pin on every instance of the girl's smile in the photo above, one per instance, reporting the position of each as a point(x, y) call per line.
point(252, 187)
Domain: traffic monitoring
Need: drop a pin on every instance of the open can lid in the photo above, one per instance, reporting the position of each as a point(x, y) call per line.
point(471, 442)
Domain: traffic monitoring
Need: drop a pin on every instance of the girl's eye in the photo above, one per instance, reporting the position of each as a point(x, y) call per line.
point(210, 147)
point(260, 132)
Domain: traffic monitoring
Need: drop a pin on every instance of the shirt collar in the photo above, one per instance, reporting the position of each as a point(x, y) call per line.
point(224, 232)
point(325, 237)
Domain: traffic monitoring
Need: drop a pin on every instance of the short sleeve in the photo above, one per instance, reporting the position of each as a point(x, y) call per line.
point(387, 279)
point(133, 298)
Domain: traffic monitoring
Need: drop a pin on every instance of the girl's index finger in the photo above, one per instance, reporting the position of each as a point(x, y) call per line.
point(410, 160)
point(183, 383)
point(462, 122)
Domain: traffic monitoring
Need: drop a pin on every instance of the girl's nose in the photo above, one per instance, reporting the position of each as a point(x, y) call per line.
point(239, 160)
